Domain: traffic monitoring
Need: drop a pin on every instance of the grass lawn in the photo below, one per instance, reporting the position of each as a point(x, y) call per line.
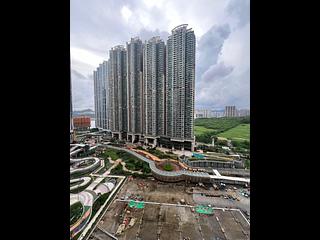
point(198, 130)
point(98, 203)
point(132, 162)
point(206, 128)
point(221, 124)
point(75, 212)
point(240, 132)
point(111, 153)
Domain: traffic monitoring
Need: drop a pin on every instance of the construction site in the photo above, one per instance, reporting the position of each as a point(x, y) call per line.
point(148, 209)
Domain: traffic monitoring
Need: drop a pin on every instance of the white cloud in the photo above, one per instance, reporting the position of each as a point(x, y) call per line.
point(98, 25)
point(236, 49)
point(85, 56)
point(153, 3)
point(126, 13)
point(82, 91)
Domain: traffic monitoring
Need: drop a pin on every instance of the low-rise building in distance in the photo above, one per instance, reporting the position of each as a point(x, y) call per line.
point(82, 123)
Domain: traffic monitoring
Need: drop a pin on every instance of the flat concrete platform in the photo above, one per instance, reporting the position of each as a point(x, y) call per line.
point(156, 221)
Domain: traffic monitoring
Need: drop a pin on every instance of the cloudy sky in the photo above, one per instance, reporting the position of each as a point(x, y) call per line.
point(222, 29)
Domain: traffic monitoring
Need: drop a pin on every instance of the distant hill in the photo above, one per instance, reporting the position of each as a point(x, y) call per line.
point(85, 112)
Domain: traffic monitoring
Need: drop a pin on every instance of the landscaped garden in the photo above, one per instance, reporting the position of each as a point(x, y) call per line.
point(75, 212)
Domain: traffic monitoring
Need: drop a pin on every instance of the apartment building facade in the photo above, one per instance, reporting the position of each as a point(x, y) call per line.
point(154, 89)
point(100, 78)
point(134, 89)
point(117, 104)
point(150, 90)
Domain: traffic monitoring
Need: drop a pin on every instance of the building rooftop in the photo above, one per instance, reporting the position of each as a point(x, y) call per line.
point(121, 47)
point(180, 27)
point(155, 39)
point(135, 39)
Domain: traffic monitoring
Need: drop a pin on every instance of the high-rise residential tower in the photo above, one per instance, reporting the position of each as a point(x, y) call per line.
point(117, 104)
point(243, 112)
point(203, 113)
point(71, 108)
point(150, 90)
point(180, 85)
point(230, 111)
point(154, 89)
point(100, 78)
point(134, 89)
point(71, 122)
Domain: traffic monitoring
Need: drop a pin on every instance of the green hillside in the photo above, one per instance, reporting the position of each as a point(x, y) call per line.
point(237, 128)
point(240, 132)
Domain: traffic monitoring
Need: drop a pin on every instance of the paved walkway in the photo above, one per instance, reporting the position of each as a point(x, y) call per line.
point(216, 172)
point(86, 198)
point(74, 198)
point(115, 164)
point(177, 152)
point(83, 182)
point(128, 170)
point(94, 183)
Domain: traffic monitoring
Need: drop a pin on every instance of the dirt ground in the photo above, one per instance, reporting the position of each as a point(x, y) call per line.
point(243, 204)
point(157, 221)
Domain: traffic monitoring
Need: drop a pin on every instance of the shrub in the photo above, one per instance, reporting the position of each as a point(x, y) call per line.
point(168, 167)
point(99, 202)
point(247, 163)
point(75, 212)
point(241, 144)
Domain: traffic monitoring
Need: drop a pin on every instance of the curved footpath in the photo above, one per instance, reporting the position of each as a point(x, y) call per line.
point(82, 182)
point(91, 167)
point(88, 196)
point(183, 175)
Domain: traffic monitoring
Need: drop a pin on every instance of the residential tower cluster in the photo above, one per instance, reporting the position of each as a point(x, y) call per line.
point(145, 91)
point(228, 112)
